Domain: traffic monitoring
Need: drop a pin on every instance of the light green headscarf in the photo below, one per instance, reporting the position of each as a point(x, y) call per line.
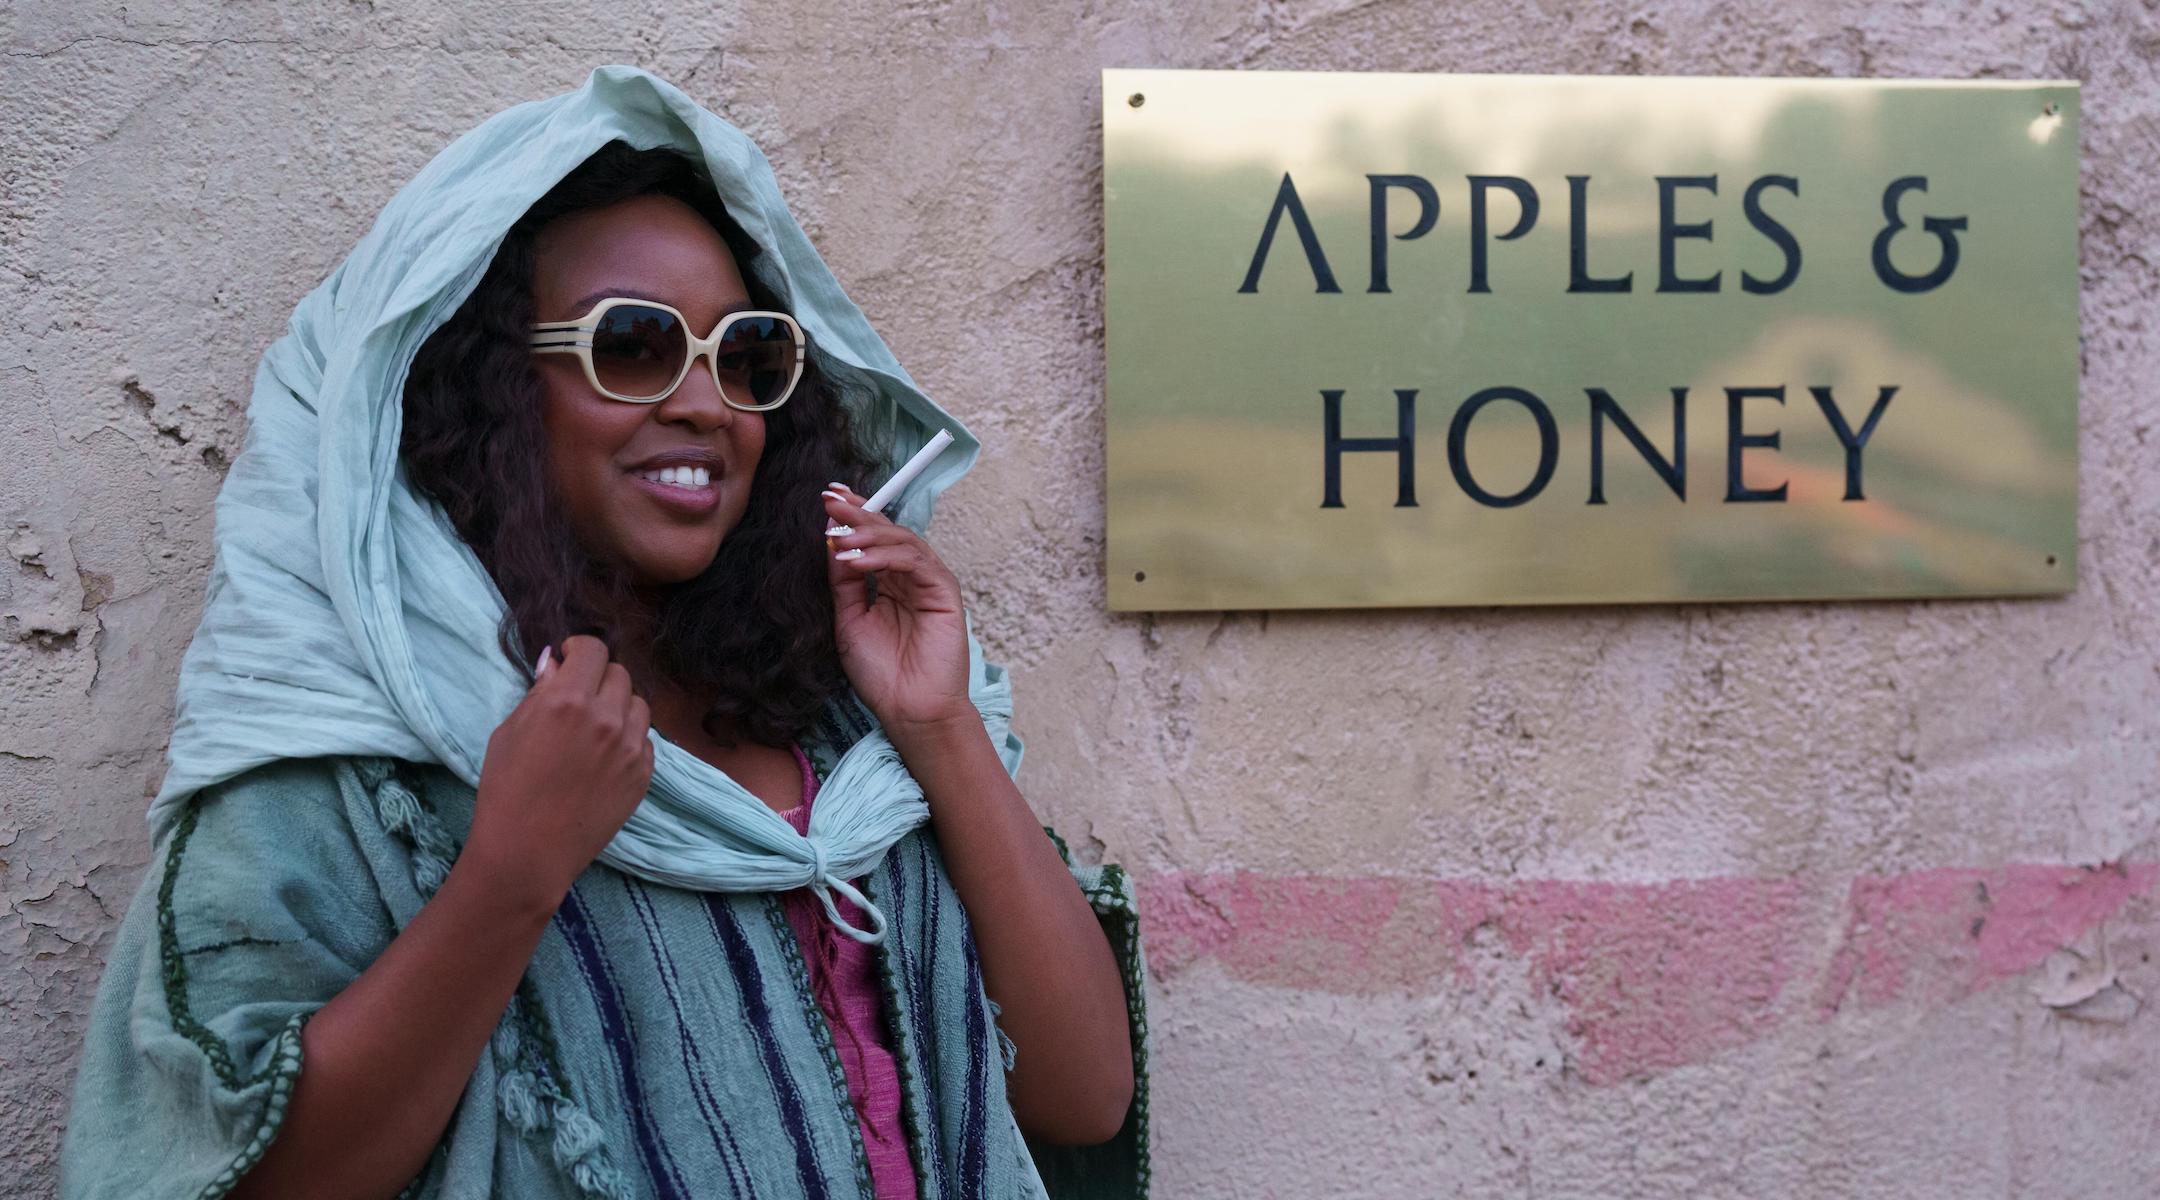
point(346, 616)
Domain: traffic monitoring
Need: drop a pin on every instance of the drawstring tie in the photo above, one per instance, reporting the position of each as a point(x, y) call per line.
point(822, 883)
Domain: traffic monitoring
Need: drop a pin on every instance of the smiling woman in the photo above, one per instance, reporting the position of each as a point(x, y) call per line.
point(555, 808)
point(596, 443)
point(541, 471)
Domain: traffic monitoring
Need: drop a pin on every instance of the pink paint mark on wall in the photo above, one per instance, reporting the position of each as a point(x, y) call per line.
point(1654, 975)
point(1943, 934)
point(1318, 933)
point(1658, 975)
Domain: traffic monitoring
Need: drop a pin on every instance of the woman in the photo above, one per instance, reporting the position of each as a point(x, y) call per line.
point(717, 900)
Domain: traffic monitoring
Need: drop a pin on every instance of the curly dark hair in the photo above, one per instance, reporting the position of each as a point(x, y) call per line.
point(754, 631)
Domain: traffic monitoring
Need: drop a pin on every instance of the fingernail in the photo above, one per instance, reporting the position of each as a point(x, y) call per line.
point(835, 495)
point(847, 554)
point(839, 530)
point(836, 485)
point(547, 659)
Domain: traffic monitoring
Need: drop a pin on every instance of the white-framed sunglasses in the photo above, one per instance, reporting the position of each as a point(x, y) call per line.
point(639, 352)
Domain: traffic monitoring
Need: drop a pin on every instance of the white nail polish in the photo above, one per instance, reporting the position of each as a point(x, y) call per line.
point(840, 531)
point(848, 554)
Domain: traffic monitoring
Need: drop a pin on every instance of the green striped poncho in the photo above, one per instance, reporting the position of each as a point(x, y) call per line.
point(663, 1042)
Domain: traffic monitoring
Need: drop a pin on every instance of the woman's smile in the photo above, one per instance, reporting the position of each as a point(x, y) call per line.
point(682, 488)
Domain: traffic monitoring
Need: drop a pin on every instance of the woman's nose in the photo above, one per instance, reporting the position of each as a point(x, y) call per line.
point(696, 400)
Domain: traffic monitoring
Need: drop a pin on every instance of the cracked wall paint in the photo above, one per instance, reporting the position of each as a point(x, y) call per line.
point(1761, 900)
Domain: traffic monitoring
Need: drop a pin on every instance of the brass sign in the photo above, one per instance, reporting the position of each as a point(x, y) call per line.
point(1392, 339)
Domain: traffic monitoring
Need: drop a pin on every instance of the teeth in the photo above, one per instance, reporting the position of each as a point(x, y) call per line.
point(682, 477)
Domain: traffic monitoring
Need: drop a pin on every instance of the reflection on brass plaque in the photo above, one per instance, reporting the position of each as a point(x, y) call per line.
point(1391, 339)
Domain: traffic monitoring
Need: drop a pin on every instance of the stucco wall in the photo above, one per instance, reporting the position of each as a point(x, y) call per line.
point(1771, 900)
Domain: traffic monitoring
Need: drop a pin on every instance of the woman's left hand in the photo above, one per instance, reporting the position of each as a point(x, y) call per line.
point(907, 653)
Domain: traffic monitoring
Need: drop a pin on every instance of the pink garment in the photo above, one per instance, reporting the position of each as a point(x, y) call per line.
point(843, 976)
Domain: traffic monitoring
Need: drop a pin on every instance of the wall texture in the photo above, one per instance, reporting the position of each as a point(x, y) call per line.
point(1780, 900)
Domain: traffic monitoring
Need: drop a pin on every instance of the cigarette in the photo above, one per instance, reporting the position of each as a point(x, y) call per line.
point(906, 475)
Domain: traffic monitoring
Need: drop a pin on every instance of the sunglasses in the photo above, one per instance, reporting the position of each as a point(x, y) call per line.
point(640, 351)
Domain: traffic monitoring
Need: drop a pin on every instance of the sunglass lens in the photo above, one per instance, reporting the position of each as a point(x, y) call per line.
point(756, 360)
point(637, 350)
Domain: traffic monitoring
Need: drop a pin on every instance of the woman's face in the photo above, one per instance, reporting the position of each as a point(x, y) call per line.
point(655, 248)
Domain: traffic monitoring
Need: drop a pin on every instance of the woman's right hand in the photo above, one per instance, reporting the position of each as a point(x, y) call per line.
point(563, 772)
